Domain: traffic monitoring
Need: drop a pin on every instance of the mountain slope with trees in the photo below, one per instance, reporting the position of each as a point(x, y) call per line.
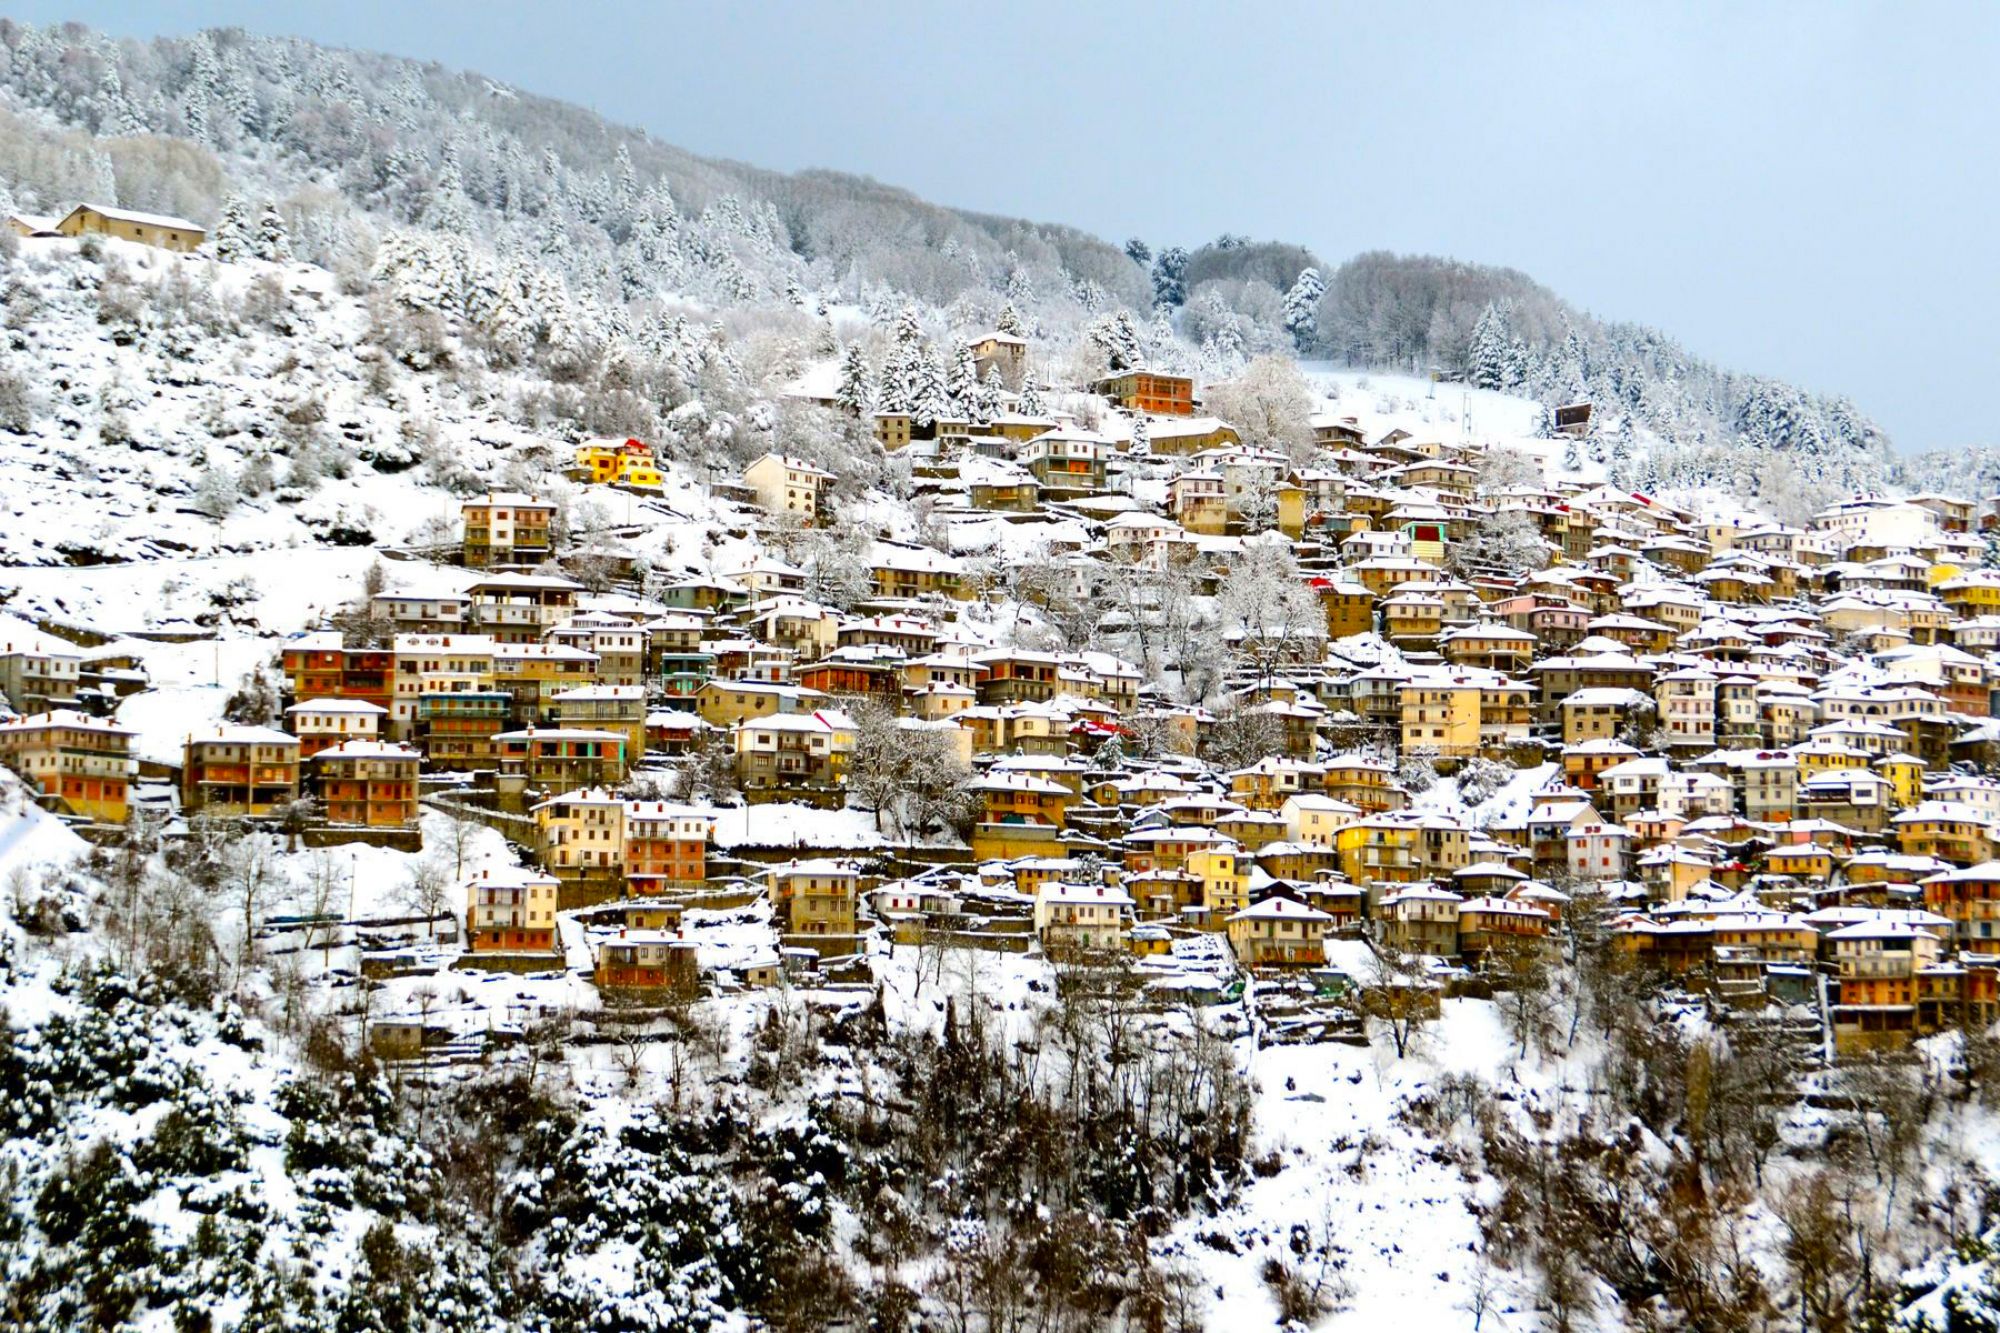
point(351, 144)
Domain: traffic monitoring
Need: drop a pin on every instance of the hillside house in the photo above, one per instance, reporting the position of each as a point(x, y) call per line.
point(81, 765)
point(1082, 917)
point(617, 463)
point(320, 724)
point(815, 897)
point(371, 784)
point(1004, 353)
point(563, 758)
point(1148, 391)
point(619, 708)
point(510, 910)
point(507, 528)
point(156, 229)
point(791, 488)
point(38, 673)
point(239, 770)
point(648, 961)
point(794, 750)
point(1279, 933)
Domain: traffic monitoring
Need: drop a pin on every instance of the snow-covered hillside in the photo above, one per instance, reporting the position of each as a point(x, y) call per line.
point(256, 1078)
point(349, 145)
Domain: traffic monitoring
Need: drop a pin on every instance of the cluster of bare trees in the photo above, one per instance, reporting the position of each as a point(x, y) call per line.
point(1011, 1176)
point(907, 771)
point(1691, 1186)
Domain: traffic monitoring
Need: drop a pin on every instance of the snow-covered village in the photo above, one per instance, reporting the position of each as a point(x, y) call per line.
point(595, 738)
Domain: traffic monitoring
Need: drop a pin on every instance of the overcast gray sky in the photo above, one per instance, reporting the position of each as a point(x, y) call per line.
point(1804, 190)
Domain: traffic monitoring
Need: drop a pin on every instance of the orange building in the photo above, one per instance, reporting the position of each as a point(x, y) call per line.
point(647, 960)
point(317, 666)
point(234, 770)
point(664, 844)
point(369, 783)
point(321, 724)
point(81, 764)
point(509, 909)
point(1149, 391)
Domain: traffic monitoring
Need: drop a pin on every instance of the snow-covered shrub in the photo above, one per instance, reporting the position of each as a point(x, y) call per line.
point(626, 1232)
point(1481, 778)
point(17, 402)
point(1417, 771)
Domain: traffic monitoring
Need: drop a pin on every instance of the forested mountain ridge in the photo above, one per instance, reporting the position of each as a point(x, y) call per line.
point(352, 142)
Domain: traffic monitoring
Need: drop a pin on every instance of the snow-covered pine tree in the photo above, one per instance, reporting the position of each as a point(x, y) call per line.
point(855, 392)
point(1118, 338)
point(236, 97)
point(1487, 354)
point(1020, 288)
point(931, 400)
point(1162, 350)
point(231, 237)
point(961, 383)
point(1170, 276)
point(1302, 310)
point(897, 391)
point(1572, 367)
point(1031, 404)
point(626, 188)
point(203, 88)
point(273, 240)
point(447, 209)
point(1009, 321)
point(986, 401)
point(1142, 434)
point(1619, 456)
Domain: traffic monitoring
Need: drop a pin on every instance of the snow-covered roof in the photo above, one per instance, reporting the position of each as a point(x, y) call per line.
point(137, 218)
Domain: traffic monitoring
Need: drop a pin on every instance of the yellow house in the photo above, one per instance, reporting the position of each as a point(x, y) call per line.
point(81, 764)
point(1972, 594)
point(619, 462)
point(1946, 830)
point(1364, 783)
point(1316, 819)
point(1377, 849)
point(1020, 815)
point(894, 429)
point(1826, 756)
point(1272, 780)
point(1183, 436)
point(581, 836)
point(723, 703)
point(1279, 933)
point(1801, 860)
point(1905, 773)
point(1224, 872)
point(816, 897)
point(900, 570)
point(1441, 715)
point(168, 233)
point(1292, 504)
